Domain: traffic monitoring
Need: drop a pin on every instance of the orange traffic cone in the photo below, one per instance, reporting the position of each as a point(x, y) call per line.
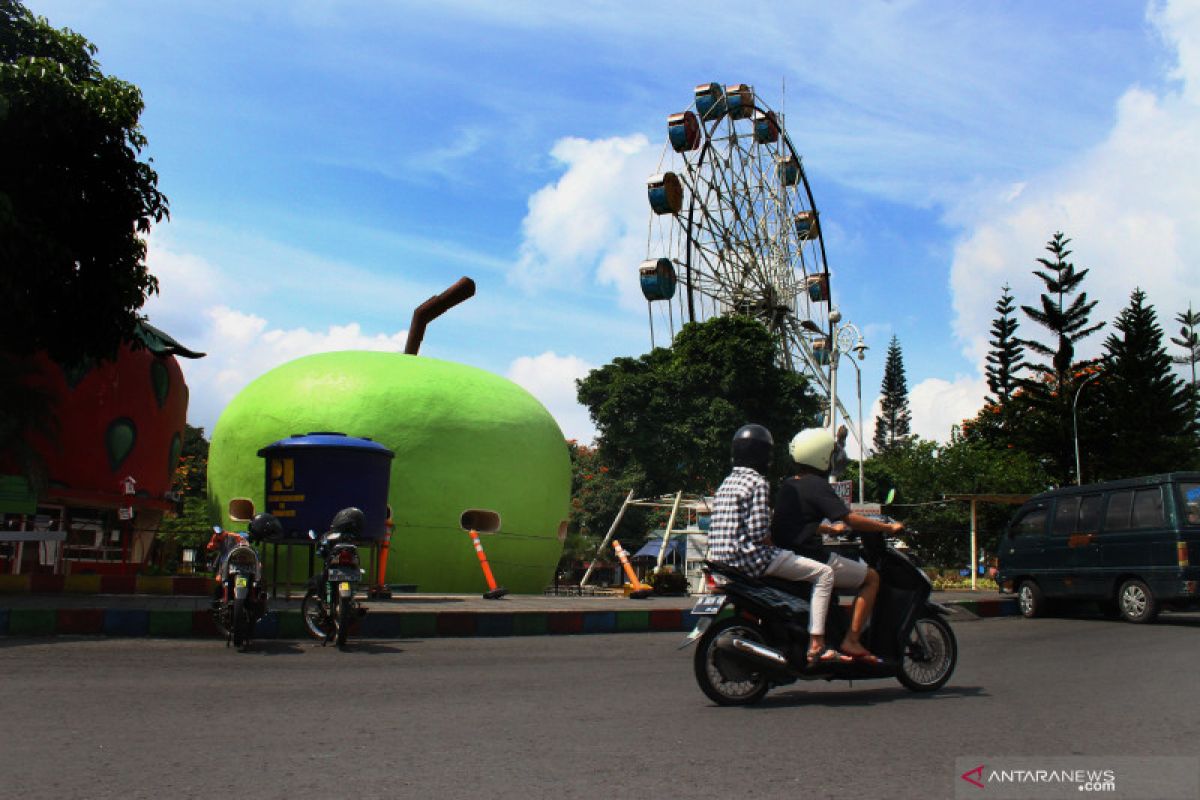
point(494, 592)
point(380, 589)
point(640, 590)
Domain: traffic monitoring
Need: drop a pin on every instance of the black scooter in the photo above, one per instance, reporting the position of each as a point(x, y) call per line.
point(240, 599)
point(329, 607)
point(764, 643)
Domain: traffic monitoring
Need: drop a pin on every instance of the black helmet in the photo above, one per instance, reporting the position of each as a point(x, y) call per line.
point(752, 445)
point(348, 520)
point(265, 527)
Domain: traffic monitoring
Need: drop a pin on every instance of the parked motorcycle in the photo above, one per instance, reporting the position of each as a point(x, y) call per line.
point(329, 607)
point(240, 600)
point(764, 643)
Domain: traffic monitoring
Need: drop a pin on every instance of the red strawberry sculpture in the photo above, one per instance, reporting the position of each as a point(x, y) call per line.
point(117, 420)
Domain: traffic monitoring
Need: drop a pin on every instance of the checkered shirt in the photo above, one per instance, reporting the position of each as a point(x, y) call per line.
point(740, 522)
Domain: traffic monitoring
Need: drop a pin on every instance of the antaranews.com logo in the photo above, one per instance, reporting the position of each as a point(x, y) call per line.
point(1084, 780)
point(1032, 778)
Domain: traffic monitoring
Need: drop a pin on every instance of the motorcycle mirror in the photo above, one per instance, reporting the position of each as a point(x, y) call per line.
point(312, 534)
point(891, 495)
point(216, 528)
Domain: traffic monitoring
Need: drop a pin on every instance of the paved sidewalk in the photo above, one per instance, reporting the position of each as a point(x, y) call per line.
point(404, 616)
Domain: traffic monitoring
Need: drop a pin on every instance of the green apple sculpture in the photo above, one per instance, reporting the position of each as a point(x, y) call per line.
point(464, 440)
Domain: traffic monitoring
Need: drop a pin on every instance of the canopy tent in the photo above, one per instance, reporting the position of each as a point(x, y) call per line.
point(676, 549)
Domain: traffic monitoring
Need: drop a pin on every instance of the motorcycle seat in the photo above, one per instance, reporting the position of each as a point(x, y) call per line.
point(801, 589)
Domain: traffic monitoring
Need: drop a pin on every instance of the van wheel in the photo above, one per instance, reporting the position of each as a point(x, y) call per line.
point(1137, 602)
point(1030, 599)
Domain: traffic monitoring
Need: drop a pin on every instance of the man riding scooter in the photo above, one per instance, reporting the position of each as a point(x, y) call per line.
point(739, 533)
point(802, 505)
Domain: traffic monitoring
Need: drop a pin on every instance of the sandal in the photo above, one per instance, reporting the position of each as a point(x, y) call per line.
point(865, 657)
point(828, 656)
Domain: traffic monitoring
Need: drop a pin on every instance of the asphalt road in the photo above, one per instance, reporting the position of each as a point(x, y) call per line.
point(568, 717)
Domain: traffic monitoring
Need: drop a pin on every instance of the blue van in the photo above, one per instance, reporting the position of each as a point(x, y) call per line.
point(1132, 545)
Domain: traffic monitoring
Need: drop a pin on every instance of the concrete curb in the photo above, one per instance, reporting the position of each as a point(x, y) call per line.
point(379, 624)
point(177, 585)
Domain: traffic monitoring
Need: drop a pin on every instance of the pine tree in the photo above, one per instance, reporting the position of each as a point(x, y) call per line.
point(1189, 340)
point(1145, 404)
point(1052, 389)
point(1007, 356)
point(894, 424)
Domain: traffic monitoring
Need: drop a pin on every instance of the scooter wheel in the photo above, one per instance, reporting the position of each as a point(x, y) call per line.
point(726, 680)
point(315, 614)
point(929, 655)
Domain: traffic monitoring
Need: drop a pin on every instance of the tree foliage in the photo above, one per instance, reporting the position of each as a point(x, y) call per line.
point(1050, 391)
point(75, 198)
point(1144, 405)
point(1189, 340)
point(1067, 324)
point(665, 419)
point(1007, 356)
point(923, 473)
point(894, 422)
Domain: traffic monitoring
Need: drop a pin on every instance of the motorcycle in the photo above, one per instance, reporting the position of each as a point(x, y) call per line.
point(240, 599)
point(764, 643)
point(329, 607)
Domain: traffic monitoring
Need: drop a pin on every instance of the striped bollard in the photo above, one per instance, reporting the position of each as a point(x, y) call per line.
point(494, 592)
point(640, 590)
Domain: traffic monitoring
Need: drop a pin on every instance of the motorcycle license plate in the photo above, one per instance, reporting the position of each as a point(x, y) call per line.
point(240, 582)
point(705, 610)
point(708, 605)
point(338, 575)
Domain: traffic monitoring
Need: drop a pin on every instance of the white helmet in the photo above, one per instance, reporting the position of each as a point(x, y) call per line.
point(813, 447)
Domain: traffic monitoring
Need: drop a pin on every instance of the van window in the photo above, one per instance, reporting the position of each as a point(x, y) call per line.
point(1148, 508)
point(1089, 513)
point(1119, 504)
point(1066, 512)
point(1190, 493)
point(1031, 522)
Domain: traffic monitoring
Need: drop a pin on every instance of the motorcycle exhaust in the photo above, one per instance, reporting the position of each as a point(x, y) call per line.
point(754, 650)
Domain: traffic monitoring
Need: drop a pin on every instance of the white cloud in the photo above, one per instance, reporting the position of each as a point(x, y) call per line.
point(590, 225)
point(551, 379)
point(938, 404)
point(1128, 204)
point(240, 347)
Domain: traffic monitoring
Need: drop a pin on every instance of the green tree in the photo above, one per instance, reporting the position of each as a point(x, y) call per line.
point(665, 419)
point(893, 424)
point(75, 199)
point(1145, 410)
point(922, 473)
point(1189, 340)
point(1051, 390)
point(1007, 356)
point(191, 474)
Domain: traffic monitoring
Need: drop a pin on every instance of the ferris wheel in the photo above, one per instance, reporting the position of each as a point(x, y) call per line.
point(734, 230)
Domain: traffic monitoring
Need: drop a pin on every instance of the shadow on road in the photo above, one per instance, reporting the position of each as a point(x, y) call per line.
point(866, 696)
point(274, 647)
point(364, 648)
point(1086, 613)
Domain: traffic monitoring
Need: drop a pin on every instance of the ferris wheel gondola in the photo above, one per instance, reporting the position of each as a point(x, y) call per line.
point(734, 229)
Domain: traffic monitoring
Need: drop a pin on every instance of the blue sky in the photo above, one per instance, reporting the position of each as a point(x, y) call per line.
point(332, 164)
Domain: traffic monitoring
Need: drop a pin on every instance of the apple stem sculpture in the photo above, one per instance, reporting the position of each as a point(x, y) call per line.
point(434, 307)
point(494, 592)
point(640, 590)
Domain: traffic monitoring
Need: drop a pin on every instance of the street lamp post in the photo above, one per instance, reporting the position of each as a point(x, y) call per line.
point(1075, 426)
point(844, 338)
point(861, 349)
